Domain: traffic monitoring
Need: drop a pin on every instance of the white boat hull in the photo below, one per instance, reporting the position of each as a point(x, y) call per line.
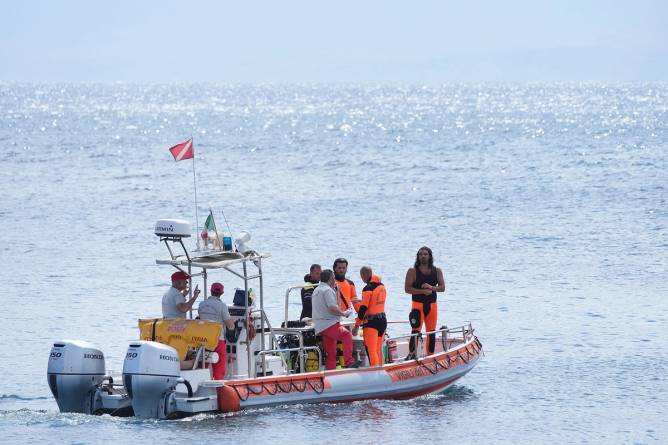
point(403, 380)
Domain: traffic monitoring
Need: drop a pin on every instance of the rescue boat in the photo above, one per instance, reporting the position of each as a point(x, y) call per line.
point(167, 372)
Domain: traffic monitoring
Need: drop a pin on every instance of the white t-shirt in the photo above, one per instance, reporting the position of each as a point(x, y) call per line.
point(212, 309)
point(169, 301)
point(323, 297)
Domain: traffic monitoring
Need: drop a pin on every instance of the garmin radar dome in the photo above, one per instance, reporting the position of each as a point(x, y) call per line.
point(173, 228)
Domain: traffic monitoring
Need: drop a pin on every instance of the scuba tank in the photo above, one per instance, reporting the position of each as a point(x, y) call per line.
point(312, 364)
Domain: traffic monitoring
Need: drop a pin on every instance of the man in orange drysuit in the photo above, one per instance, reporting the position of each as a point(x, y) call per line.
point(423, 280)
point(347, 294)
point(371, 315)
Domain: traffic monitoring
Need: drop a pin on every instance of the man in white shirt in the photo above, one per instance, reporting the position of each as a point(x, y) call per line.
point(174, 304)
point(213, 309)
point(326, 319)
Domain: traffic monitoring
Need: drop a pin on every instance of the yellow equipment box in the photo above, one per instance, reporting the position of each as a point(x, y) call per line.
point(180, 333)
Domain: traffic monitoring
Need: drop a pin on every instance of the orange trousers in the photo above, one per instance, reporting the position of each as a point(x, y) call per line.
point(429, 322)
point(373, 340)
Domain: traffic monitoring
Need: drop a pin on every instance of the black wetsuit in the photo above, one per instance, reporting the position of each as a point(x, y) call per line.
point(307, 308)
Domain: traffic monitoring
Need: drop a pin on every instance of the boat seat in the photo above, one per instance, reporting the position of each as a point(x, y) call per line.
point(181, 334)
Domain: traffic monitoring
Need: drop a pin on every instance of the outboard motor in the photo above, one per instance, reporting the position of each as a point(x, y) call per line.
point(150, 374)
point(76, 369)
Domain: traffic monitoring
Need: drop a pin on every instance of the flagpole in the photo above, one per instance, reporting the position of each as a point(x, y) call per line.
point(195, 184)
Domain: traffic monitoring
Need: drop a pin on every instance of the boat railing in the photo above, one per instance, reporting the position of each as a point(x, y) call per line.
point(299, 333)
point(287, 301)
point(464, 332)
point(200, 358)
point(274, 340)
point(302, 350)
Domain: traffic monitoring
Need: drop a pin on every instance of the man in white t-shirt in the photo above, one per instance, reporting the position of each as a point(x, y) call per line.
point(174, 304)
point(213, 309)
point(326, 319)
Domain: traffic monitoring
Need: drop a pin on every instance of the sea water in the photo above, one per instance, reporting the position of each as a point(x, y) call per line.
point(545, 206)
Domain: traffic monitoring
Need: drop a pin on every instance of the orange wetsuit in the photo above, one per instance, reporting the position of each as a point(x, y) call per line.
point(371, 314)
point(427, 308)
point(347, 294)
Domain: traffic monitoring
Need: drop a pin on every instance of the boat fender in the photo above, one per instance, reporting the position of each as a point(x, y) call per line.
point(228, 399)
point(414, 318)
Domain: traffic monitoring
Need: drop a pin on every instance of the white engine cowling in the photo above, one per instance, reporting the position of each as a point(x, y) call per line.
point(150, 373)
point(75, 370)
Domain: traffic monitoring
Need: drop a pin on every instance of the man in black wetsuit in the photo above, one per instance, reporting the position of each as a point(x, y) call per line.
point(312, 279)
point(423, 280)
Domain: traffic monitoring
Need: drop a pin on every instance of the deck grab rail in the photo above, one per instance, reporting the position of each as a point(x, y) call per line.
point(466, 332)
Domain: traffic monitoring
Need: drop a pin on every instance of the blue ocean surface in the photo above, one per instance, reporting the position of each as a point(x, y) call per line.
point(546, 206)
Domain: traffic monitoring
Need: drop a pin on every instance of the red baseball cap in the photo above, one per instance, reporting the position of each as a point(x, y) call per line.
point(180, 276)
point(217, 288)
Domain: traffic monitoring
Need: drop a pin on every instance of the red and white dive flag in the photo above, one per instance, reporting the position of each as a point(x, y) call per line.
point(184, 150)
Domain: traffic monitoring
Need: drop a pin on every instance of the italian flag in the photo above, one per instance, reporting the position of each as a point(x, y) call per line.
point(209, 226)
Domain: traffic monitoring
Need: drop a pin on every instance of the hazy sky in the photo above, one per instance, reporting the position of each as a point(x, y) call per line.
point(333, 41)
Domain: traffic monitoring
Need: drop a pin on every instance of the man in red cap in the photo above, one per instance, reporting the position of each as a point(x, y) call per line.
point(174, 304)
point(213, 309)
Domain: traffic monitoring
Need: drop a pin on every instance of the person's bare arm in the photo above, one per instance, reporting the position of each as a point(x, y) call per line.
point(188, 305)
point(440, 287)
